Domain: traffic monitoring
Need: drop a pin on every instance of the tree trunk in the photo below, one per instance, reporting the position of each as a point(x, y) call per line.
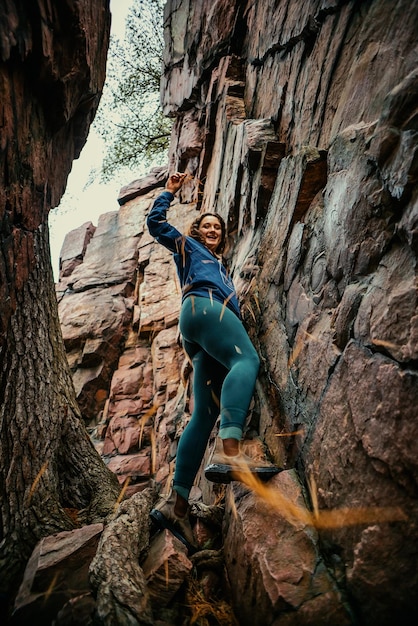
point(52, 70)
point(48, 465)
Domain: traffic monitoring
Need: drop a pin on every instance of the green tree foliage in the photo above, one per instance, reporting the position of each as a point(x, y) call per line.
point(130, 118)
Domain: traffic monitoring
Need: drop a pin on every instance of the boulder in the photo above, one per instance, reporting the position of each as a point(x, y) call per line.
point(166, 567)
point(275, 564)
point(56, 573)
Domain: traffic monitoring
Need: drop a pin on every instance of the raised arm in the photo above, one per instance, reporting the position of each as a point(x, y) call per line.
point(157, 223)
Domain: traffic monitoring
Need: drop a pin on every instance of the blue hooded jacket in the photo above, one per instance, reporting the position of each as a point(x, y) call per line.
point(200, 272)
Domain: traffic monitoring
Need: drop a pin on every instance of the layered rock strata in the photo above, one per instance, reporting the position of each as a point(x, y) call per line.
point(298, 124)
point(309, 144)
point(119, 308)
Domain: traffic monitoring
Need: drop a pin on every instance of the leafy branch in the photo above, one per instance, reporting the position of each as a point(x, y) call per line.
point(129, 118)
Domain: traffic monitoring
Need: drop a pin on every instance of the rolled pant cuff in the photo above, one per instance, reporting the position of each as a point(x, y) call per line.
point(182, 491)
point(230, 432)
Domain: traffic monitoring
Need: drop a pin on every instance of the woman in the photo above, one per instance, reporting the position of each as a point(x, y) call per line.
point(225, 363)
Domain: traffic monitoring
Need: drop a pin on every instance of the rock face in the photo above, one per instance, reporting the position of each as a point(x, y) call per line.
point(297, 122)
point(127, 359)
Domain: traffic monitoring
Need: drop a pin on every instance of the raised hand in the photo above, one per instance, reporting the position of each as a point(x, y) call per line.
point(175, 181)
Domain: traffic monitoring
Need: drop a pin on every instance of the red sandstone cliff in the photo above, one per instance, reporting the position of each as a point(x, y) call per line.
point(297, 122)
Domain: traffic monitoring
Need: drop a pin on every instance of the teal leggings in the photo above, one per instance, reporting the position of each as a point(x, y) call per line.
point(225, 368)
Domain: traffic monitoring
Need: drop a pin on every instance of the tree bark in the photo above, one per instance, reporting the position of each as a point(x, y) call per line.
point(52, 70)
point(115, 575)
point(48, 465)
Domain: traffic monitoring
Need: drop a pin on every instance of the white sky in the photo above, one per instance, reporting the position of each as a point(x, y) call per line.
point(80, 203)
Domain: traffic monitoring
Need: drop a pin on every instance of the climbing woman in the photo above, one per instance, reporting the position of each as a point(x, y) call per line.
point(225, 363)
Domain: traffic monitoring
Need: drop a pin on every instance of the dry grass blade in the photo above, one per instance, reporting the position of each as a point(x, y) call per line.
point(314, 496)
point(183, 250)
point(300, 343)
point(220, 496)
point(225, 303)
point(36, 480)
point(215, 398)
point(256, 300)
point(169, 478)
point(337, 518)
point(51, 588)
point(248, 307)
point(208, 612)
point(144, 418)
point(334, 518)
point(295, 352)
point(122, 492)
point(292, 512)
point(269, 330)
point(232, 504)
point(301, 431)
point(385, 344)
point(153, 453)
point(167, 573)
point(177, 285)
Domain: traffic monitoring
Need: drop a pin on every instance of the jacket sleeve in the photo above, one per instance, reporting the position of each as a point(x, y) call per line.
point(158, 226)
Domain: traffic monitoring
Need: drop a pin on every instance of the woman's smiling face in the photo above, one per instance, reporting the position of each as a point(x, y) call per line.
point(210, 230)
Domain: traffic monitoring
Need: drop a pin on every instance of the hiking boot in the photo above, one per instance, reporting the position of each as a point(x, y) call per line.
point(163, 516)
point(224, 469)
